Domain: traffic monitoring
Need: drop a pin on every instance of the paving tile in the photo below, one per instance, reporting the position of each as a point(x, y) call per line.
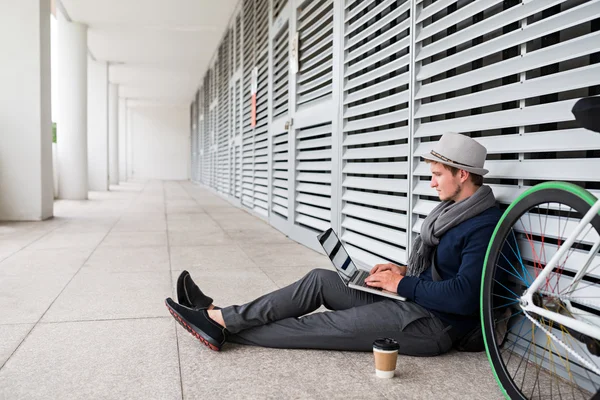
point(242, 223)
point(199, 238)
point(88, 226)
point(457, 376)
point(192, 222)
point(57, 240)
point(231, 286)
point(151, 223)
point(259, 373)
point(262, 235)
point(185, 257)
point(185, 209)
point(10, 247)
point(11, 336)
point(290, 255)
point(135, 359)
point(129, 259)
point(33, 262)
point(24, 298)
point(94, 294)
point(135, 239)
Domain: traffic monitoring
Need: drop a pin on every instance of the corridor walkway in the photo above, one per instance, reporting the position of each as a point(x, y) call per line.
point(82, 312)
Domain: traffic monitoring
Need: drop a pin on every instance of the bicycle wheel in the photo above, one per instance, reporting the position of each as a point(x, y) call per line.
point(528, 353)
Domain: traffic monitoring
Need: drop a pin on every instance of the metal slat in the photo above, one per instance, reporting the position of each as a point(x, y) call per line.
point(559, 82)
point(376, 137)
point(315, 223)
point(575, 169)
point(377, 57)
point(376, 105)
point(351, 14)
point(371, 44)
point(328, 64)
point(377, 88)
point(384, 119)
point(433, 9)
point(532, 142)
point(314, 61)
point(314, 200)
point(318, 25)
point(378, 72)
point(322, 46)
point(307, 11)
point(570, 49)
point(314, 212)
point(382, 22)
point(314, 178)
point(314, 95)
point(398, 150)
point(376, 168)
point(490, 24)
point(311, 132)
point(381, 184)
point(314, 155)
point(552, 112)
point(314, 166)
point(574, 16)
point(311, 144)
point(324, 190)
point(280, 210)
point(368, 16)
point(380, 232)
point(384, 217)
point(385, 250)
point(452, 19)
point(310, 86)
point(376, 199)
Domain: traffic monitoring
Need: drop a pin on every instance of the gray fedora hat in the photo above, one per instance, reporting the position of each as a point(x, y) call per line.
point(459, 151)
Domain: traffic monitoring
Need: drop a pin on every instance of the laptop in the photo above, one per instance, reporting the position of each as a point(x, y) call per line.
point(351, 275)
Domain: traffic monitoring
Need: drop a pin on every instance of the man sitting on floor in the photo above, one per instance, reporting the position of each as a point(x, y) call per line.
point(437, 312)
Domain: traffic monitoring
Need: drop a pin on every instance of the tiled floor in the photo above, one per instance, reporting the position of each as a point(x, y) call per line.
point(82, 313)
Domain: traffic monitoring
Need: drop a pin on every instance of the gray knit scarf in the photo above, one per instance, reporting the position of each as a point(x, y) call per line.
point(444, 217)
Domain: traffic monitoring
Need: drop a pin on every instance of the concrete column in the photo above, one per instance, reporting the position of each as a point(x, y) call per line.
point(122, 140)
point(72, 116)
point(130, 170)
point(26, 188)
point(97, 126)
point(113, 133)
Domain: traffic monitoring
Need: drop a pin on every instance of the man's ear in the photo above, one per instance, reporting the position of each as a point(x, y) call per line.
point(464, 175)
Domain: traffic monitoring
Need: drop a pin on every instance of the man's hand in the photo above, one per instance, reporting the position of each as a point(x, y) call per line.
point(386, 280)
point(400, 270)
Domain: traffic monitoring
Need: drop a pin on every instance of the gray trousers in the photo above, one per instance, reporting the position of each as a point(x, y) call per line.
point(356, 319)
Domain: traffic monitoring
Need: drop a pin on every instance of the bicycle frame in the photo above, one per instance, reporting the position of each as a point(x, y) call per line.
point(527, 298)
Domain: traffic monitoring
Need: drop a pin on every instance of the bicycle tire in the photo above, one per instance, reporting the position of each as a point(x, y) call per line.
point(570, 195)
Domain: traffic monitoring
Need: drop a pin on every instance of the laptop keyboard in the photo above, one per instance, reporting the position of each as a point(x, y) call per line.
point(360, 280)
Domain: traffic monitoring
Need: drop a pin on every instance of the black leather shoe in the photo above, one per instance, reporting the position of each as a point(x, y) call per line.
point(199, 324)
point(189, 294)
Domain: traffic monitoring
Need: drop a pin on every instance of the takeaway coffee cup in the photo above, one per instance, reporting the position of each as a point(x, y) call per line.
point(385, 351)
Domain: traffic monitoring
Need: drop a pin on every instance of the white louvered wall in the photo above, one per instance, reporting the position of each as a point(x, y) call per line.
point(315, 28)
point(378, 82)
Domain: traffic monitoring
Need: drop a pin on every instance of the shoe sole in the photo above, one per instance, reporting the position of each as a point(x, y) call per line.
point(197, 335)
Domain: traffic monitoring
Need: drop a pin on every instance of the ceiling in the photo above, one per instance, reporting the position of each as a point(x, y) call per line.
point(159, 50)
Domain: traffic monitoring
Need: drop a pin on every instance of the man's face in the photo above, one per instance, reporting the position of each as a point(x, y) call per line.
point(447, 186)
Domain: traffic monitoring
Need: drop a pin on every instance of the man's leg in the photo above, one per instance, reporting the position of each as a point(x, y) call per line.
point(319, 287)
point(418, 332)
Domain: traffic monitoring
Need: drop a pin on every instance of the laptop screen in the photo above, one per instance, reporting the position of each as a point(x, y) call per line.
point(337, 254)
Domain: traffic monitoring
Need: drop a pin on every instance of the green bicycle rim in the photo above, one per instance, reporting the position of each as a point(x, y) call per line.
point(565, 186)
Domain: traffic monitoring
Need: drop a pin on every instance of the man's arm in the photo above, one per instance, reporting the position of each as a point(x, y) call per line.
point(459, 295)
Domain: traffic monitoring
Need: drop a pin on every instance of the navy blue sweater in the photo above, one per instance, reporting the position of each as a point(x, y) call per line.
point(459, 261)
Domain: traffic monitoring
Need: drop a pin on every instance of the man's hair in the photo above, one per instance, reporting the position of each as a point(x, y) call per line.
point(476, 179)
